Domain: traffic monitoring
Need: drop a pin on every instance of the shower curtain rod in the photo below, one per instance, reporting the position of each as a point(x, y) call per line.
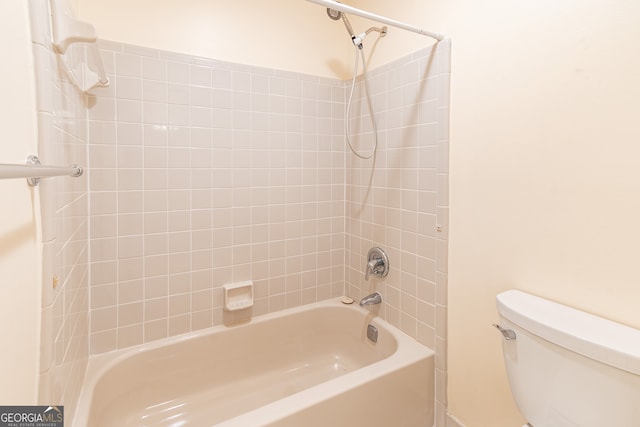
point(33, 170)
point(382, 19)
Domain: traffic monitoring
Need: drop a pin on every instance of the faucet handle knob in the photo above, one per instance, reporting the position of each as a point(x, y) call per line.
point(377, 263)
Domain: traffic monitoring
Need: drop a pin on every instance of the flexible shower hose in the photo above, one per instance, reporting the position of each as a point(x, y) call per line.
point(347, 126)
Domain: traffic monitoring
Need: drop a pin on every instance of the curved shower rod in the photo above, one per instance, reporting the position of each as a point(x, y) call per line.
point(331, 4)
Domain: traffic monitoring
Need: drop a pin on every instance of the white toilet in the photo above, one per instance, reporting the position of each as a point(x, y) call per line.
point(568, 368)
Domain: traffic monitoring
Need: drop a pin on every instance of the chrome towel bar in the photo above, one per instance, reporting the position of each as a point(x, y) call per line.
point(32, 170)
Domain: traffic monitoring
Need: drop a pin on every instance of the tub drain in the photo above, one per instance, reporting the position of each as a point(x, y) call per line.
point(372, 333)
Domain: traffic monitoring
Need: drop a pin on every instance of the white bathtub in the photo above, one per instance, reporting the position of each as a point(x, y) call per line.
point(308, 366)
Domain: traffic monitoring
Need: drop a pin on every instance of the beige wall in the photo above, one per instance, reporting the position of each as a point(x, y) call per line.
point(19, 289)
point(291, 35)
point(544, 171)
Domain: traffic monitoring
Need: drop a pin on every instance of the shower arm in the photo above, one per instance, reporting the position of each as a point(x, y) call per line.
point(382, 31)
point(378, 18)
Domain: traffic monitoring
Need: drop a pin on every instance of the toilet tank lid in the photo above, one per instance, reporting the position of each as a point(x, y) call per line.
point(600, 339)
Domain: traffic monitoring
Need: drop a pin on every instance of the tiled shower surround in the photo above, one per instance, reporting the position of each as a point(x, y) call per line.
point(204, 173)
point(398, 200)
point(64, 226)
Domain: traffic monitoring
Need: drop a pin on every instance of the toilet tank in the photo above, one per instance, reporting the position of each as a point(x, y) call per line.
point(568, 368)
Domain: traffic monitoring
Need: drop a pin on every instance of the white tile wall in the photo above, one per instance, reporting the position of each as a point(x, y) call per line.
point(62, 140)
point(398, 200)
point(204, 173)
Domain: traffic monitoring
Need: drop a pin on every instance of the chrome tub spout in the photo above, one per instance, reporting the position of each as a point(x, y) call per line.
point(374, 298)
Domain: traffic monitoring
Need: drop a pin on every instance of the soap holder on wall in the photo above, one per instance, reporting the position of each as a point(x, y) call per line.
point(238, 296)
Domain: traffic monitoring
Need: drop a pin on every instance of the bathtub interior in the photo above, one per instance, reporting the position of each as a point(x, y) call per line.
point(210, 378)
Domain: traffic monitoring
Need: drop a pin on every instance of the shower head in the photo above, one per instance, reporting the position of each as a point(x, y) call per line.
point(336, 15)
point(356, 39)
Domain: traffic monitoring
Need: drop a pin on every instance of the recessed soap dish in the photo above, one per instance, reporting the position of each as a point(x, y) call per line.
point(238, 296)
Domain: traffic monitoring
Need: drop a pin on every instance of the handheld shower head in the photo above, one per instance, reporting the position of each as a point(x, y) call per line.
point(336, 15)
